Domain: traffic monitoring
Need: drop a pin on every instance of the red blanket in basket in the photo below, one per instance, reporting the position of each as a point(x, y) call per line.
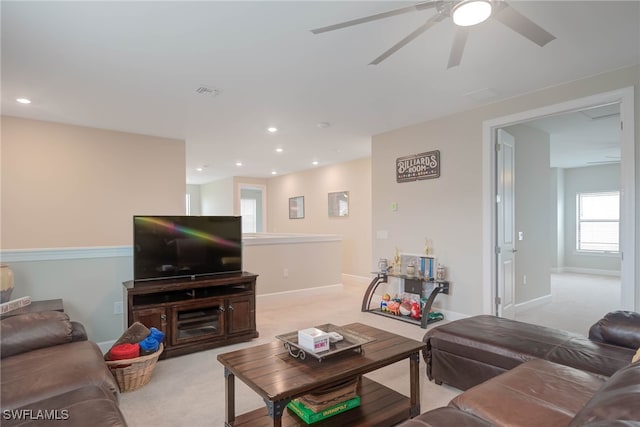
point(124, 351)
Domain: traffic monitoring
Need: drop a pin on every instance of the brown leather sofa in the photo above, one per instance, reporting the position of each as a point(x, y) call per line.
point(50, 374)
point(518, 374)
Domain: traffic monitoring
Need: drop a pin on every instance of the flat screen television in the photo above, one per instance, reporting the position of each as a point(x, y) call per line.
point(186, 246)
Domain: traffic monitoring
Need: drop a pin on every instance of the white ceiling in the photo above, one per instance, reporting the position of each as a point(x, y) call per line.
point(583, 138)
point(134, 67)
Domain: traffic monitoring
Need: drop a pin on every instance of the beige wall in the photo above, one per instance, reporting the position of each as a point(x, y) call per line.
point(292, 266)
point(71, 186)
point(314, 185)
point(216, 197)
point(449, 209)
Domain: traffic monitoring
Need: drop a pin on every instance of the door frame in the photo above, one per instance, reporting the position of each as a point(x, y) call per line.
point(623, 96)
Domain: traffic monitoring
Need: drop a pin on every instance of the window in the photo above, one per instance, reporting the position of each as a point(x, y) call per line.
point(598, 222)
point(249, 217)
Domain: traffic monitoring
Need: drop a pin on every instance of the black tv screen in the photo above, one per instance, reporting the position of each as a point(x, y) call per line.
point(186, 246)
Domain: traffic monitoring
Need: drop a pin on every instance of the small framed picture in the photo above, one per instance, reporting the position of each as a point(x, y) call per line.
point(296, 207)
point(339, 204)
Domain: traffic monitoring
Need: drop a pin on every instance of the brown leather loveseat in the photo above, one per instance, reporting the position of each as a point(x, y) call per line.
point(518, 374)
point(50, 374)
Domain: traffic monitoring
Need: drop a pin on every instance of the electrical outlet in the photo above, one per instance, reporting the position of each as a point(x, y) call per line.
point(285, 272)
point(117, 307)
point(524, 279)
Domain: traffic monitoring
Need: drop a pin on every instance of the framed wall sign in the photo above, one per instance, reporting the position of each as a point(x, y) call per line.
point(418, 166)
point(296, 207)
point(339, 203)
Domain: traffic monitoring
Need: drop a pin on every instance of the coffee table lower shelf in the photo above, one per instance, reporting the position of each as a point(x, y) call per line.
point(379, 407)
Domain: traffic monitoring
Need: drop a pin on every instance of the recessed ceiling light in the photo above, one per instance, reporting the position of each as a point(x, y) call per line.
point(23, 100)
point(199, 169)
point(274, 173)
point(272, 129)
point(323, 125)
point(238, 163)
point(314, 163)
point(279, 150)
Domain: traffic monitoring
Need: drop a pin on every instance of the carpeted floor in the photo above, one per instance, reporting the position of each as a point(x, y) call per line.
point(189, 390)
point(578, 301)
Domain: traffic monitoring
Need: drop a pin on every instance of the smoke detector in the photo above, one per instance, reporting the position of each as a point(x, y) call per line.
point(206, 90)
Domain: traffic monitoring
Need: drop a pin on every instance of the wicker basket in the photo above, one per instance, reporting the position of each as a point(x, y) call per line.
point(131, 374)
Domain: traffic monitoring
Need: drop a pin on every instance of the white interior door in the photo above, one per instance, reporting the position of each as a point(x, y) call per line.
point(505, 207)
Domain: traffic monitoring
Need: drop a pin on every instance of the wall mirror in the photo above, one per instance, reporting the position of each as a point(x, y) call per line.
point(296, 207)
point(339, 204)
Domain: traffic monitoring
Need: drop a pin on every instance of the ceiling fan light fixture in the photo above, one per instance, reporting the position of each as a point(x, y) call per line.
point(471, 12)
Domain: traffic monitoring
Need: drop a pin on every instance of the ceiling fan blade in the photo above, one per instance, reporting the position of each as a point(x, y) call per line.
point(523, 25)
point(394, 12)
point(421, 29)
point(459, 42)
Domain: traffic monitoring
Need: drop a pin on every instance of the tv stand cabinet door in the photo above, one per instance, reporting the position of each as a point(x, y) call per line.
point(198, 321)
point(242, 314)
point(152, 317)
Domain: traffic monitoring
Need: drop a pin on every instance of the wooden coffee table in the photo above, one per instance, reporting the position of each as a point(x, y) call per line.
point(278, 378)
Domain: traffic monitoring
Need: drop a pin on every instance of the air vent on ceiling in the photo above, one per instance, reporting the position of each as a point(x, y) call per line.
point(205, 90)
point(482, 95)
point(602, 111)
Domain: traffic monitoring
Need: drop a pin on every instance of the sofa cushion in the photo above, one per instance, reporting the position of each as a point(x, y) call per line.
point(618, 328)
point(547, 392)
point(32, 331)
point(46, 372)
point(86, 406)
point(445, 417)
point(618, 400)
point(489, 345)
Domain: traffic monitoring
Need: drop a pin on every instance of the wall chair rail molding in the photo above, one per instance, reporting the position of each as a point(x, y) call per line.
point(51, 254)
point(418, 166)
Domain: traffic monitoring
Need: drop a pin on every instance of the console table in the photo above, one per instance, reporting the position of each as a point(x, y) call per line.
point(195, 314)
point(412, 285)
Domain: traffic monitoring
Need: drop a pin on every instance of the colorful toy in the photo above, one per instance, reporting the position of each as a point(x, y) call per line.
point(394, 307)
point(415, 310)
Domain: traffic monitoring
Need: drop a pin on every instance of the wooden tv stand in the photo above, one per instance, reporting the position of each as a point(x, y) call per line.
point(195, 314)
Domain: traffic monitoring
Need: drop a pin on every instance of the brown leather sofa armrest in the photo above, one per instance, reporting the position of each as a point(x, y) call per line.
point(78, 332)
point(621, 328)
point(31, 331)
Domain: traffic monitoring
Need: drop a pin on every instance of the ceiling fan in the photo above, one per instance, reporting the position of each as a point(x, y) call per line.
point(465, 14)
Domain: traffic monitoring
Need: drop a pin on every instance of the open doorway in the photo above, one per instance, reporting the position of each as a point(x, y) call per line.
point(253, 208)
point(493, 294)
point(567, 217)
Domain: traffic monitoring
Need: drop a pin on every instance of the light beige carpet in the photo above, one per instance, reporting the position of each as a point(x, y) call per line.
point(578, 301)
point(189, 390)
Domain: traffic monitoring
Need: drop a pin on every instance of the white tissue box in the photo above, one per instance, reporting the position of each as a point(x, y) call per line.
point(313, 339)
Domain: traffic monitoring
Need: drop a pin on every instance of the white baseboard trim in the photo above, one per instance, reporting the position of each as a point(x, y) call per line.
point(557, 270)
point(352, 279)
point(595, 271)
point(316, 290)
point(533, 303)
point(106, 345)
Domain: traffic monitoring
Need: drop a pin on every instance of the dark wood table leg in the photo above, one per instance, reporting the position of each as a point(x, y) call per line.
point(414, 376)
point(229, 397)
point(275, 410)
